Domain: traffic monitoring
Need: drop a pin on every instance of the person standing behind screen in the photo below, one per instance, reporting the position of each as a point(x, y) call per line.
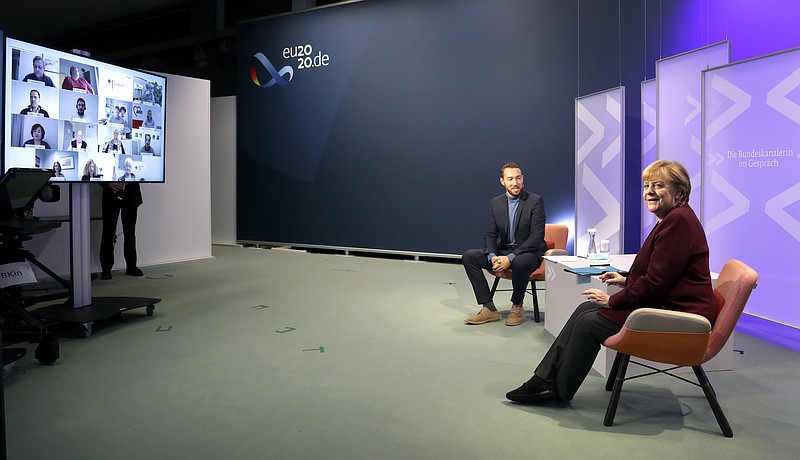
point(37, 137)
point(78, 143)
point(74, 81)
point(89, 171)
point(34, 108)
point(147, 148)
point(149, 122)
point(114, 145)
point(80, 110)
point(38, 73)
point(514, 239)
point(119, 200)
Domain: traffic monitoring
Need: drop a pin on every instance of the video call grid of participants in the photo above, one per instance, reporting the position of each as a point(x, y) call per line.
point(91, 110)
point(74, 166)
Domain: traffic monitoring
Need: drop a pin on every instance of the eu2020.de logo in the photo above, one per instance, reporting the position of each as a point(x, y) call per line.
point(278, 77)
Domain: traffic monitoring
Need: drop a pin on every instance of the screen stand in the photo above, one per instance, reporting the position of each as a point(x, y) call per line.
point(83, 308)
point(80, 231)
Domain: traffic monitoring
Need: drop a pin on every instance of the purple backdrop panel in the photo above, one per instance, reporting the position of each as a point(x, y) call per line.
point(678, 94)
point(751, 147)
point(648, 146)
point(599, 138)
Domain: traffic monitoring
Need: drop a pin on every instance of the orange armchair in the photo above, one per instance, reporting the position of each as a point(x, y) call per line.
point(681, 339)
point(555, 235)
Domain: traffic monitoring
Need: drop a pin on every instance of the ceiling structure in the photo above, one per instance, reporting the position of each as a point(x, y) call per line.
point(191, 38)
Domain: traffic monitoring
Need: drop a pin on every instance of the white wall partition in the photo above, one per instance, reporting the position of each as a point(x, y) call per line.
point(648, 220)
point(223, 163)
point(751, 140)
point(599, 179)
point(678, 95)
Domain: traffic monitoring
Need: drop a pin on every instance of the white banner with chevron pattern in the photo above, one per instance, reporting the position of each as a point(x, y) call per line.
point(751, 176)
point(599, 179)
point(648, 147)
point(678, 94)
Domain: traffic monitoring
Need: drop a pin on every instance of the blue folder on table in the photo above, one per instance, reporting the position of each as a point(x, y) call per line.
point(591, 271)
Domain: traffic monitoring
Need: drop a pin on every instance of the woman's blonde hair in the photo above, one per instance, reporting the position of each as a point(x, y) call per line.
point(86, 168)
point(672, 172)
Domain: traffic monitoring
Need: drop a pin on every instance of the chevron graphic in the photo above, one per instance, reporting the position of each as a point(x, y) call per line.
point(697, 182)
point(776, 97)
point(740, 206)
point(649, 116)
point(694, 103)
point(610, 224)
point(597, 129)
point(695, 144)
point(550, 272)
point(741, 102)
point(714, 158)
point(613, 107)
point(775, 209)
point(611, 152)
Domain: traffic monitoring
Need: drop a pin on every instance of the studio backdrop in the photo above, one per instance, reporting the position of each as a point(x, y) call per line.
point(383, 125)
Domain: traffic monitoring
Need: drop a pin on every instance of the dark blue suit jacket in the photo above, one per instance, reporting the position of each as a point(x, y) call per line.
point(529, 234)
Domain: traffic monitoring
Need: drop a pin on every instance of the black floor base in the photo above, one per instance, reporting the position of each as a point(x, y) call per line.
point(101, 308)
point(12, 354)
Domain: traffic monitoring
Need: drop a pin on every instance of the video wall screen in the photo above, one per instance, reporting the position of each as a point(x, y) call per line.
point(85, 119)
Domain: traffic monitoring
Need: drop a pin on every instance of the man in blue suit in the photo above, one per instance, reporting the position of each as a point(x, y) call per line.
point(514, 239)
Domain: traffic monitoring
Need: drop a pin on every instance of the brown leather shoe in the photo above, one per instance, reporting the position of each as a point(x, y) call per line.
point(516, 316)
point(483, 316)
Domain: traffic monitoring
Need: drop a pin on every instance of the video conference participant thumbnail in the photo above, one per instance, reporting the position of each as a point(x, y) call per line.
point(117, 141)
point(34, 132)
point(147, 92)
point(77, 77)
point(91, 172)
point(147, 116)
point(129, 168)
point(77, 142)
point(62, 163)
point(147, 141)
point(117, 113)
point(37, 74)
point(147, 148)
point(77, 107)
point(34, 108)
point(80, 136)
point(37, 138)
point(33, 100)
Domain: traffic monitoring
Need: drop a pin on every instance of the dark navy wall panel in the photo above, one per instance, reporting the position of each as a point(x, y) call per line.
point(396, 144)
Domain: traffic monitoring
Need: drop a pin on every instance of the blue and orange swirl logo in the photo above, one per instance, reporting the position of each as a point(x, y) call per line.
point(278, 76)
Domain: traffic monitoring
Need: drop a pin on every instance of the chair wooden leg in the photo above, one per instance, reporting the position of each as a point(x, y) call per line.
point(705, 384)
point(611, 410)
point(536, 317)
point(613, 374)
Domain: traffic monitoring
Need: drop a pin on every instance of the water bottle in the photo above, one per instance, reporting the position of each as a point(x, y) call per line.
point(592, 245)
